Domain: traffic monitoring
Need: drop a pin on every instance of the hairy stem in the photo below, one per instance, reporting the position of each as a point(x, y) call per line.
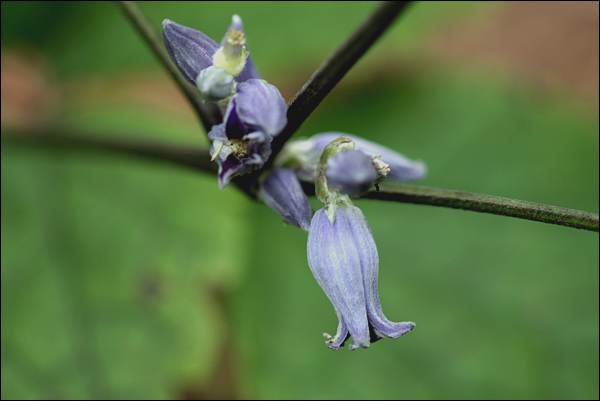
point(208, 113)
point(488, 204)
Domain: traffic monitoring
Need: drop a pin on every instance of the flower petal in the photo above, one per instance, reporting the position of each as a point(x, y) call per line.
point(401, 168)
point(335, 262)
point(365, 244)
point(261, 107)
point(234, 126)
point(351, 172)
point(341, 336)
point(214, 84)
point(281, 191)
point(191, 50)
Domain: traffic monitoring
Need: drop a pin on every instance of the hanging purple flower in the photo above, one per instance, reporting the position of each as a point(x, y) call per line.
point(342, 256)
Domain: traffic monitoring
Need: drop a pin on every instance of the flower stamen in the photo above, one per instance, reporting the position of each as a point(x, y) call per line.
point(218, 147)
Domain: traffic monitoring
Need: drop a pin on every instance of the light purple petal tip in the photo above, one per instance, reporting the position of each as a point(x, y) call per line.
point(281, 191)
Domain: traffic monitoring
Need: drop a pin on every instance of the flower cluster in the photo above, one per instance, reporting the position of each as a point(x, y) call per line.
point(253, 110)
point(342, 254)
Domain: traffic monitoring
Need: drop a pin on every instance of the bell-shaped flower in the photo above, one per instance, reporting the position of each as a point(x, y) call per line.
point(242, 142)
point(304, 155)
point(204, 63)
point(282, 192)
point(342, 256)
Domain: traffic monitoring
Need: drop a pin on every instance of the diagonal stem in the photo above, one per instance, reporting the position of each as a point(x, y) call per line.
point(208, 113)
point(334, 68)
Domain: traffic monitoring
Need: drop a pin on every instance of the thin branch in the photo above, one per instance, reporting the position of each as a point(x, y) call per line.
point(488, 204)
point(208, 113)
point(185, 156)
point(198, 159)
point(335, 67)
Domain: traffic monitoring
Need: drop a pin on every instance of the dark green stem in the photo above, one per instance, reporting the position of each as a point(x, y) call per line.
point(195, 158)
point(335, 67)
point(208, 113)
point(488, 204)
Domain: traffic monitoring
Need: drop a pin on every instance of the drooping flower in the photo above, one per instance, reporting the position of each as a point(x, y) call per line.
point(205, 64)
point(342, 256)
point(242, 142)
point(303, 156)
point(281, 191)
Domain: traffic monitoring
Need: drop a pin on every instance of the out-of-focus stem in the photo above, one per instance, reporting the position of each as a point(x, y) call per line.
point(208, 113)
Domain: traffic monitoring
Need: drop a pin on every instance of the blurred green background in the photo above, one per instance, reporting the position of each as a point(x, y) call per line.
point(124, 278)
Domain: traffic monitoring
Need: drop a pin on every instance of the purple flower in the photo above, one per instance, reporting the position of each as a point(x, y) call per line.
point(191, 50)
point(242, 143)
point(281, 191)
point(309, 151)
point(351, 172)
point(205, 64)
point(343, 258)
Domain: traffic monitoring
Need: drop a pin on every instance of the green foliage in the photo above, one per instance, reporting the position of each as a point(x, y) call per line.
point(115, 271)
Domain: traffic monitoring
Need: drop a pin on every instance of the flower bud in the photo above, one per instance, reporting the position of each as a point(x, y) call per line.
point(303, 156)
point(351, 173)
point(191, 50)
point(215, 84)
point(281, 191)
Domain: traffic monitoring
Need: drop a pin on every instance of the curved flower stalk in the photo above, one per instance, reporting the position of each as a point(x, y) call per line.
point(242, 142)
point(205, 64)
point(303, 156)
point(342, 255)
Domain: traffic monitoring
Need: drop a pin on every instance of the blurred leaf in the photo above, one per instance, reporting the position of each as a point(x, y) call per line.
point(106, 274)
